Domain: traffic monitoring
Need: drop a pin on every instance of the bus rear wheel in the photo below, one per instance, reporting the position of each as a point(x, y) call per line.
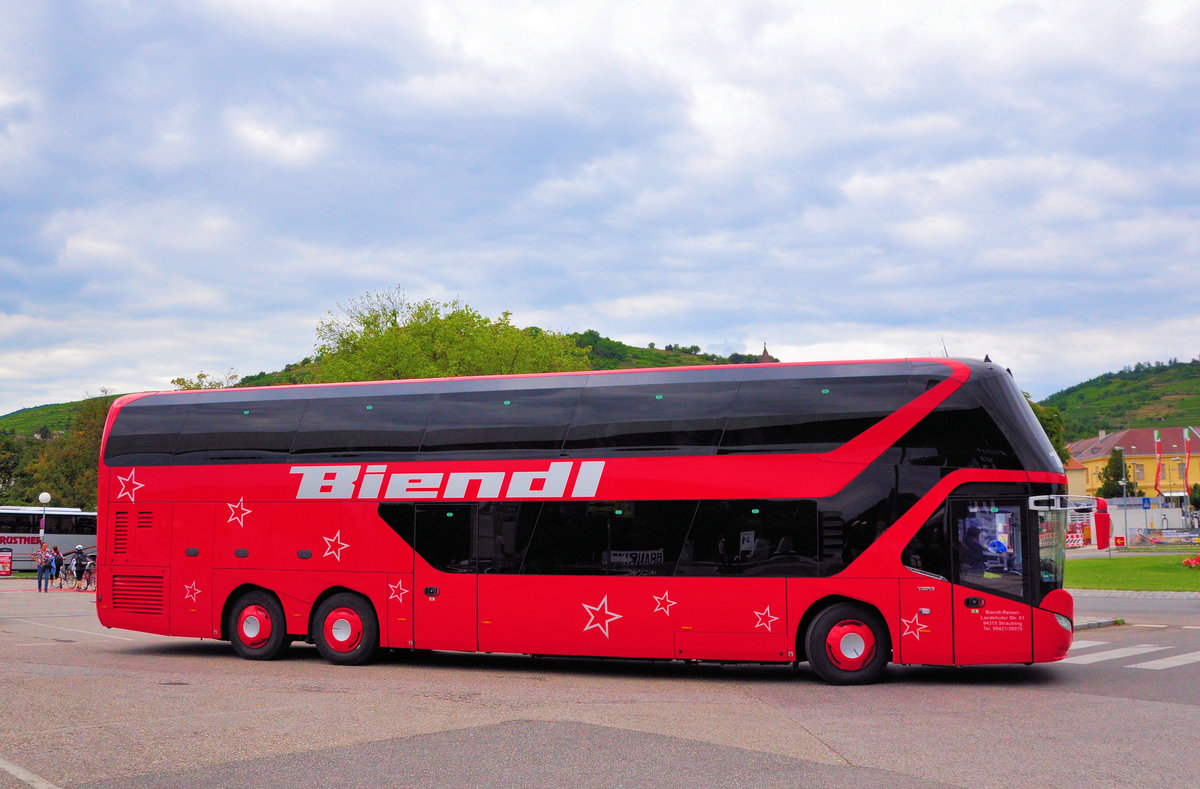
point(345, 630)
point(256, 627)
point(848, 644)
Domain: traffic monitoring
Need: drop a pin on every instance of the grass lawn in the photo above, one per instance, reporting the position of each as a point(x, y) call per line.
point(1136, 573)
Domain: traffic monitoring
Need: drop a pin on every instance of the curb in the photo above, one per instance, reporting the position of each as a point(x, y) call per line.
point(1091, 622)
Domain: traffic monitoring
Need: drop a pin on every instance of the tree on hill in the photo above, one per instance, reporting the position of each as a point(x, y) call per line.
point(66, 466)
point(384, 336)
point(205, 381)
point(16, 455)
point(1111, 475)
point(603, 347)
point(301, 372)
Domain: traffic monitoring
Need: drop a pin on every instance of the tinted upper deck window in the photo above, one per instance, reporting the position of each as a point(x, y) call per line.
point(1015, 418)
point(225, 430)
point(811, 414)
point(143, 435)
point(506, 420)
point(960, 433)
point(662, 417)
point(368, 425)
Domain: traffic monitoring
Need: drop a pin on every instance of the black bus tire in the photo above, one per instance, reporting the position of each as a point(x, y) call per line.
point(345, 630)
point(848, 644)
point(256, 626)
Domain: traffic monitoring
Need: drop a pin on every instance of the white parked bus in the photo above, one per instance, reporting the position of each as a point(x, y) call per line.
point(66, 527)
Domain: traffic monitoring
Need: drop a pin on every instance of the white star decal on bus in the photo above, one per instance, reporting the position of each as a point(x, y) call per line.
point(602, 621)
point(330, 542)
point(238, 512)
point(191, 591)
point(765, 619)
point(913, 627)
point(398, 591)
point(129, 485)
point(664, 603)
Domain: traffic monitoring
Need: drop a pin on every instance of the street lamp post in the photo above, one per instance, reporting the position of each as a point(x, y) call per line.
point(44, 498)
point(1124, 499)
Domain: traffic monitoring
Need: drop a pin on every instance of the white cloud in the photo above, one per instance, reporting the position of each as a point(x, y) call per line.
point(291, 148)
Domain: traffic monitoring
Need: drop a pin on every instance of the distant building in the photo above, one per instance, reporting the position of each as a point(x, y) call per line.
point(1077, 477)
point(1138, 445)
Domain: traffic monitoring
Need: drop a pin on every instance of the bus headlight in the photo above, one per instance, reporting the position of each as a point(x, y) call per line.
point(1064, 622)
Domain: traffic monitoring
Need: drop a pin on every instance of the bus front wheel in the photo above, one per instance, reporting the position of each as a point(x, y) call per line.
point(848, 644)
point(256, 627)
point(345, 630)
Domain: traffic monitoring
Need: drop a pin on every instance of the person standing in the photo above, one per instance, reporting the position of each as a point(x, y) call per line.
point(43, 558)
point(56, 560)
point(79, 562)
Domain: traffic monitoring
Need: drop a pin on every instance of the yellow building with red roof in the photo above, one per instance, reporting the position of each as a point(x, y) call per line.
point(1141, 460)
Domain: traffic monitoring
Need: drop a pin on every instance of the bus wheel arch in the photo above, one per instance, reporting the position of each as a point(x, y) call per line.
point(253, 621)
point(345, 627)
point(845, 641)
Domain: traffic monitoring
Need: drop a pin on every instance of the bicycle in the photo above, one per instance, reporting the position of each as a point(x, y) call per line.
point(66, 577)
point(89, 576)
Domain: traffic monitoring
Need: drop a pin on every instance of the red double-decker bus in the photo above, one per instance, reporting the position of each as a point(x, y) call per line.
point(846, 514)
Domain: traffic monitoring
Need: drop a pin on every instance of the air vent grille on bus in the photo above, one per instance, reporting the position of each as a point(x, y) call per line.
point(138, 594)
point(145, 520)
point(120, 533)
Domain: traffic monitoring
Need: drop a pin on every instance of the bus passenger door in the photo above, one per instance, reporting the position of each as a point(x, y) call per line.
point(926, 622)
point(445, 585)
point(189, 579)
point(992, 615)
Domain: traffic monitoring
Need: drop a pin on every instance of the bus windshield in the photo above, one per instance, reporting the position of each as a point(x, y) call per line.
point(1053, 514)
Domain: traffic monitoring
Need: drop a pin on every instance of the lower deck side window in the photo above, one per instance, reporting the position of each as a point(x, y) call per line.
point(744, 537)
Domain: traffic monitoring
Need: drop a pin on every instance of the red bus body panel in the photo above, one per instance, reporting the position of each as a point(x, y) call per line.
point(717, 619)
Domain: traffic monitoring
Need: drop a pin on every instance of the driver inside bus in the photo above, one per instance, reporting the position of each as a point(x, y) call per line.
point(972, 550)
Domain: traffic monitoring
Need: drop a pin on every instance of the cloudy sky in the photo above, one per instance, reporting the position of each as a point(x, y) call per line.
point(193, 186)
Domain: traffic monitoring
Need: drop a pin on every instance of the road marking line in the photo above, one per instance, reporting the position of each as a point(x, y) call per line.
point(1086, 644)
point(71, 629)
point(1191, 627)
point(23, 775)
point(90, 616)
point(1169, 662)
point(1154, 626)
point(1114, 654)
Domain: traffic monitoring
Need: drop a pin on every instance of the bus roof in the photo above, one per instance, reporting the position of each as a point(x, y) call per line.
point(961, 369)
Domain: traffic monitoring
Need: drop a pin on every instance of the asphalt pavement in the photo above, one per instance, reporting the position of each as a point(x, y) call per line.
point(1087, 622)
point(135, 709)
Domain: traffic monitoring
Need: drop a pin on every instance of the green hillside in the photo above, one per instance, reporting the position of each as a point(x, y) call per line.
point(1144, 395)
point(53, 418)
